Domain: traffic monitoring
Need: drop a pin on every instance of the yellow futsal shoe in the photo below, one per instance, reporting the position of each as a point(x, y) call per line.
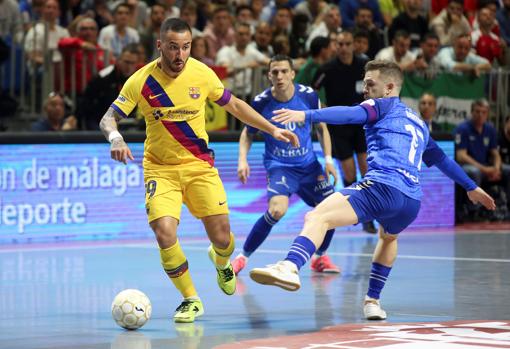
point(188, 310)
point(226, 277)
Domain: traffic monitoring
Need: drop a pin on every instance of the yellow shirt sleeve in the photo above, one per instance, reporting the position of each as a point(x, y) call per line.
point(217, 92)
point(129, 96)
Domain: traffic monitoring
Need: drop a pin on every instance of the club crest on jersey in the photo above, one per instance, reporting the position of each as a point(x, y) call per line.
point(321, 178)
point(194, 92)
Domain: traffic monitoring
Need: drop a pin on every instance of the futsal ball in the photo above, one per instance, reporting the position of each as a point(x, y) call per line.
point(131, 309)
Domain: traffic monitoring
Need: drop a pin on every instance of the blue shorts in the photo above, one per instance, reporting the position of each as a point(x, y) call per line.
point(309, 183)
point(389, 206)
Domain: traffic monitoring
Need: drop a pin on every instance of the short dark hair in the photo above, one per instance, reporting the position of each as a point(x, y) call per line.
point(430, 35)
point(123, 4)
point(361, 33)
point(318, 43)
point(241, 7)
point(131, 48)
point(401, 34)
point(364, 8)
point(281, 58)
point(173, 24)
point(386, 68)
point(482, 102)
point(457, 1)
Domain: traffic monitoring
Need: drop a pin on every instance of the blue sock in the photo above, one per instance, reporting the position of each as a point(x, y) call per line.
point(300, 252)
point(258, 233)
point(378, 277)
point(325, 244)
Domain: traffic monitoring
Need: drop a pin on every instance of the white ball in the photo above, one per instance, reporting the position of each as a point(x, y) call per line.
point(131, 309)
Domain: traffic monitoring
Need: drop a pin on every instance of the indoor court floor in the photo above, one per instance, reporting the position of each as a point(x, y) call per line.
point(59, 295)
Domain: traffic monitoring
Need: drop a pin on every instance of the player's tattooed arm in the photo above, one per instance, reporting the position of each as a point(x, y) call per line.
point(119, 150)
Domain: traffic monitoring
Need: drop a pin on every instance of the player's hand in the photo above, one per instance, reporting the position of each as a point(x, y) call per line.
point(285, 116)
point(331, 171)
point(479, 196)
point(243, 171)
point(120, 151)
point(286, 136)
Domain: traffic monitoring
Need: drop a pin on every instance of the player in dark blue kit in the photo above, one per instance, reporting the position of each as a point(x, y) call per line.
point(398, 141)
point(289, 170)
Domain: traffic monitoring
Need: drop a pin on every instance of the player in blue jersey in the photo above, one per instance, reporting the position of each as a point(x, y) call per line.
point(398, 141)
point(289, 170)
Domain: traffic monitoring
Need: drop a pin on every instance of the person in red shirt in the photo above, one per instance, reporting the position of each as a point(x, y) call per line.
point(484, 41)
point(87, 55)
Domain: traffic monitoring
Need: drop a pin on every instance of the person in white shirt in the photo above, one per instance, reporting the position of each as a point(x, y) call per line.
point(238, 59)
point(460, 59)
point(44, 36)
point(116, 36)
point(399, 51)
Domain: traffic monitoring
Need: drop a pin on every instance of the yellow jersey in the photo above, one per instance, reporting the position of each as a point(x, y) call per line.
point(174, 111)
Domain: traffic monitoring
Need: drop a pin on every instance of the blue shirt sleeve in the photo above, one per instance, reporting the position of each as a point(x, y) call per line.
point(338, 115)
point(461, 137)
point(432, 154)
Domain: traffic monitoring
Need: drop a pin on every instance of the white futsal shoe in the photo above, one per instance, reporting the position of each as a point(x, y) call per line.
point(372, 309)
point(283, 274)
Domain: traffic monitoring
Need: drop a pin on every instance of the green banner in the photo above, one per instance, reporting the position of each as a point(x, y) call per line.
point(454, 94)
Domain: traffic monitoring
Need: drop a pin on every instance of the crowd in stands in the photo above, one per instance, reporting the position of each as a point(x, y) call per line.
point(102, 42)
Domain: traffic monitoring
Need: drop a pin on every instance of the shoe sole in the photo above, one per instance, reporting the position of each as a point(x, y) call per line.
point(266, 278)
point(375, 317)
point(327, 271)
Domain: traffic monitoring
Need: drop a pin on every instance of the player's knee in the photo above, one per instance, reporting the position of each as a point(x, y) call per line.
point(387, 237)
point(277, 212)
point(313, 216)
point(220, 237)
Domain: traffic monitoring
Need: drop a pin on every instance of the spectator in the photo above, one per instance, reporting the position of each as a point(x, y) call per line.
point(244, 14)
point(172, 11)
point(199, 50)
point(39, 41)
point(349, 8)
point(31, 12)
point(10, 21)
point(321, 51)
point(299, 36)
point(427, 107)
point(361, 44)
point(219, 32)
point(100, 12)
point(262, 39)
point(139, 11)
point(69, 11)
point(503, 17)
point(102, 90)
point(411, 21)
point(493, 6)
point(487, 44)
point(459, 58)
point(504, 151)
point(450, 23)
point(331, 23)
point(54, 116)
point(399, 51)
point(116, 36)
point(364, 21)
point(239, 59)
point(477, 147)
point(189, 15)
point(427, 61)
point(282, 21)
point(342, 80)
point(313, 9)
point(86, 54)
point(390, 9)
point(151, 33)
point(256, 8)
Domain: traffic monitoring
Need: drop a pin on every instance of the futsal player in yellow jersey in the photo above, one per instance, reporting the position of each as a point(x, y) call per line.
point(178, 165)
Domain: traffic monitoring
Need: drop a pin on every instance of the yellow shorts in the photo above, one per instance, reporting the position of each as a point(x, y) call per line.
point(198, 186)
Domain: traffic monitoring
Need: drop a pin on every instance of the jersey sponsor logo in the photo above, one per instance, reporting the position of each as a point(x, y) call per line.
point(290, 153)
point(408, 175)
point(486, 141)
point(121, 99)
point(194, 92)
point(363, 185)
point(157, 114)
point(154, 96)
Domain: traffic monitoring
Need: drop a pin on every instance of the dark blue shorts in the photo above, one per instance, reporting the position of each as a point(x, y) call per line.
point(309, 183)
point(387, 205)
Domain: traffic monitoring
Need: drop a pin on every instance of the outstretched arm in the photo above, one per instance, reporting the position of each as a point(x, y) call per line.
point(119, 150)
point(337, 115)
point(242, 111)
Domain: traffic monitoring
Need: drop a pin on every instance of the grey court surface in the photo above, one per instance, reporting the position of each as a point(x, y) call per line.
point(59, 295)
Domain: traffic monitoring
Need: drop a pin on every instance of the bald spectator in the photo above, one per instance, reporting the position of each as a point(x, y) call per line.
point(428, 107)
point(262, 39)
point(487, 44)
point(460, 59)
point(331, 23)
point(399, 51)
point(219, 32)
point(411, 21)
point(54, 118)
point(85, 54)
point(116, 36)
point(45, 35)
point(450, 23)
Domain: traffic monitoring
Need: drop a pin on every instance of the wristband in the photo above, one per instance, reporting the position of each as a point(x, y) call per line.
point(329, 160)
point(113, 135)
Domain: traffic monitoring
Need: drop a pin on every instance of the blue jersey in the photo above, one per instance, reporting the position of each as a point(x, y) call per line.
point(278, 153)
point(396, 140)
